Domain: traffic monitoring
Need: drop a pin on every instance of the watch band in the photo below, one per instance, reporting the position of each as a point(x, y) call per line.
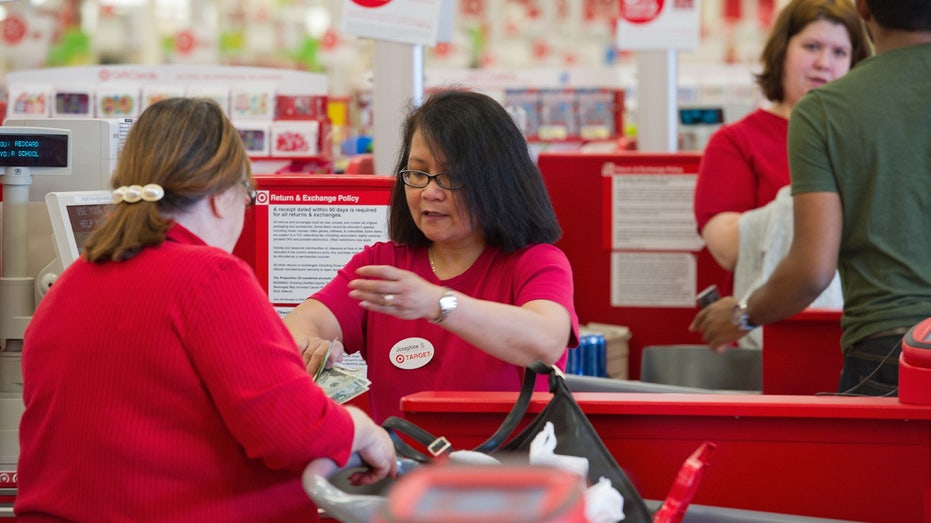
point(742, 317)
point(448, 303)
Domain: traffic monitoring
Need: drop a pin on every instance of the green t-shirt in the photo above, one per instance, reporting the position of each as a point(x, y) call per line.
point(867, 137)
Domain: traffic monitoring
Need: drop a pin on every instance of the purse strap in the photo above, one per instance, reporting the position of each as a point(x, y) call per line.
point(520, 407)
point(398, 427)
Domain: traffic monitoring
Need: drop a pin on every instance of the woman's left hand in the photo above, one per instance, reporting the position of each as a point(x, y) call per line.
point(389, 290)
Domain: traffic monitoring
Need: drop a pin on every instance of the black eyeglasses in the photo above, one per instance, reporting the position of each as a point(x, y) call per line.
point(420, 179)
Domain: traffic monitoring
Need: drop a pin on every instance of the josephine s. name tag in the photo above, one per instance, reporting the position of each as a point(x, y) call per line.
point(411, 353)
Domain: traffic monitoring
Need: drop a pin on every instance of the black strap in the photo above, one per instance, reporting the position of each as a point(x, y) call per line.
point(437, 446)
point(520, 407)
point(399, 426)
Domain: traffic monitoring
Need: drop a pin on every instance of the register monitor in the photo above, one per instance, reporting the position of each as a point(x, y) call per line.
point(45, 151)
point(96, 143)
point(74, 215)
point(697, 124)
point(24, 152)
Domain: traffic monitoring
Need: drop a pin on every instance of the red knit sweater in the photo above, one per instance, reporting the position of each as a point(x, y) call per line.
point(166, 388)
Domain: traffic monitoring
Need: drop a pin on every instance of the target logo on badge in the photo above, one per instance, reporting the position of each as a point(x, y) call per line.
point(411, 353)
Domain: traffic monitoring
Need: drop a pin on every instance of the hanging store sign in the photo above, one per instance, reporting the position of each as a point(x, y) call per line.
point(658, 24)
point(415, 22)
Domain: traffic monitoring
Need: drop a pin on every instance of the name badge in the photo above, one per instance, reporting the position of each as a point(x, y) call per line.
point(411, 353)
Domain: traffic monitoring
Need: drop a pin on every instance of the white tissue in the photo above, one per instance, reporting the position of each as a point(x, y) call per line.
point(603, 503)
point(541, 453)
point(470, 457)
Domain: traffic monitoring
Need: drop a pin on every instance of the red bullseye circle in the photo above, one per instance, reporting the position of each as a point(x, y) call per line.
point(14, 29)
point(641, 11)
point(371, 3)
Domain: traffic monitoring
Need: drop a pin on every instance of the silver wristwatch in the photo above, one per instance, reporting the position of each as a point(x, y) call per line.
point(448, 303)
point(741, 317)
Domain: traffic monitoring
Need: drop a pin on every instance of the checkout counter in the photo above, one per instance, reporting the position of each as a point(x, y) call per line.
point(848, 458)
point(786, 450)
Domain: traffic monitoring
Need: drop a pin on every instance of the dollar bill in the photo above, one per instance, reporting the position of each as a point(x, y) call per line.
point(343, 383)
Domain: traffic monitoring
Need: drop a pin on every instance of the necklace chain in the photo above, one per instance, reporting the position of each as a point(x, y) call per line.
point(432, 263)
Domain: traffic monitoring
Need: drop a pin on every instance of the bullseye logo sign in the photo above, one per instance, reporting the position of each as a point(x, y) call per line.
point(371, 3)
point(261, 197)
point(641, 11)
point(13, 29)
point(405, 21)
point(411, 353)
point(658, 24)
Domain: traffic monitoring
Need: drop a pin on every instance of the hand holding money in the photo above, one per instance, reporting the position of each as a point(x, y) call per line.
point(342, 383)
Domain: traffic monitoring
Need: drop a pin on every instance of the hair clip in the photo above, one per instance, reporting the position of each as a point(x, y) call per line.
point(152, 192)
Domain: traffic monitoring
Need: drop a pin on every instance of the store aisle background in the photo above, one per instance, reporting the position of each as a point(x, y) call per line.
point(490, 38)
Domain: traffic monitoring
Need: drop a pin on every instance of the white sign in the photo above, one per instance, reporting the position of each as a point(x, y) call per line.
point(658, 24)
point(405, 21)
point(310, 240)
point(25, 39)
point(653, 211)
point(653, 279)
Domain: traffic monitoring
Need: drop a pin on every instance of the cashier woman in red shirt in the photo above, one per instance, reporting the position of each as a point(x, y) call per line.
point(745, 164)
point(159, 382)
point(470, 289)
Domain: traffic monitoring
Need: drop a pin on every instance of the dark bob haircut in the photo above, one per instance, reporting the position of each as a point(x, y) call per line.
point(503, 190)
point(792, 20)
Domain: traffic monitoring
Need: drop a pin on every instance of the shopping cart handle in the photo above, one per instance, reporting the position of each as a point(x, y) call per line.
point(326, 467)
point(346, 508)
point(340, 505)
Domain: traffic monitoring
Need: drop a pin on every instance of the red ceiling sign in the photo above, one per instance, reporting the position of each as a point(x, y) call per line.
point(14, 29)
point(641, 11)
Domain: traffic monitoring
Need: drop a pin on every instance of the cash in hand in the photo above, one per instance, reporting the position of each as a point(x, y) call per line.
point(342, 383)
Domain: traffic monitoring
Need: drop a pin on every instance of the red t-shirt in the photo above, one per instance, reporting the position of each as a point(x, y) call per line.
point(538, 272)
point(743, 167)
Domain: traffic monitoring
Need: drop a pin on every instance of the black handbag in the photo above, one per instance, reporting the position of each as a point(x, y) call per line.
point(575, 436)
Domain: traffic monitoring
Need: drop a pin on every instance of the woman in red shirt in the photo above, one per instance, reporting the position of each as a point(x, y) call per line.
point(745, 164)
point(159, 382)
point(470, 288)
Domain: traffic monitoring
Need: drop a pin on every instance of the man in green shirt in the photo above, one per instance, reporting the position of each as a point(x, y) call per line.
point(860, 164)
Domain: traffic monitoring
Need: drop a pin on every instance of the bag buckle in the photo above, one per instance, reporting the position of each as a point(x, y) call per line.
point(439, 446)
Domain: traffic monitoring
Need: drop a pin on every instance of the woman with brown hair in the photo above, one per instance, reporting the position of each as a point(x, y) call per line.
point(745, 164)
point(159, 382)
